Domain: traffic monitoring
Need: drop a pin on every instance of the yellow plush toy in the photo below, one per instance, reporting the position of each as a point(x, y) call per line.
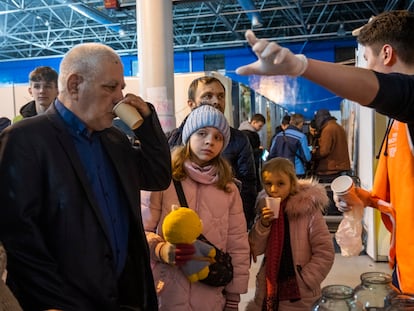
point(182, 226)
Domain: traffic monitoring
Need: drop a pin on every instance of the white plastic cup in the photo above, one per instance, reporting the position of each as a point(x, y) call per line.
point(129, 114)
point(274, 205)
point(343, 186)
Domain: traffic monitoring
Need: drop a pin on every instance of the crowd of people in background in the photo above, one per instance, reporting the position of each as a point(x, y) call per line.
point(83, 208)
point(320, 149)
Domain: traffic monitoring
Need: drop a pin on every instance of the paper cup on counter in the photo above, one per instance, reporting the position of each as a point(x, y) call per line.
point(274, 205)
point(129, 114)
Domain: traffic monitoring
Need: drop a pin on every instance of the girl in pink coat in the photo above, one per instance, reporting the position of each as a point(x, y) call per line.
point(209, 189)
point(297, 245)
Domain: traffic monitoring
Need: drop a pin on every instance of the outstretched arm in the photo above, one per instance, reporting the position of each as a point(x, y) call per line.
point(357, 84)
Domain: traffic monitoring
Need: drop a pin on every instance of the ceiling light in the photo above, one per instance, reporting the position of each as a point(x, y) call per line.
point(44, 21)
point(199, 42)
point(256, 22)
point(122, 33)
point(341, 30)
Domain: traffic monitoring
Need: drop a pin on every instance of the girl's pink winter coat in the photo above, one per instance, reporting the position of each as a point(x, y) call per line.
point(312, 245)
point(224, 225)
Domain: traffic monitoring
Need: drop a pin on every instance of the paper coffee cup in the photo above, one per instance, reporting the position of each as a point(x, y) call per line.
point(274, 205)
point(129, 114)
point(342, 185)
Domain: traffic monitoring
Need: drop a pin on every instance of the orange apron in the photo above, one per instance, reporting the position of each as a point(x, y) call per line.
point(394, 183)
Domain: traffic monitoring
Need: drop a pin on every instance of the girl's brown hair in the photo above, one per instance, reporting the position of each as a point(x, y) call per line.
point(285, 166)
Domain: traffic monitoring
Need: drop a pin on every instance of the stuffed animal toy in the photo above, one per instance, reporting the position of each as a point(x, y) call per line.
point(182, 226)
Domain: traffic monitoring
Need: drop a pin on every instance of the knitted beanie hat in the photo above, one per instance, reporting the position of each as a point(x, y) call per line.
point(206, 116)
point(321, 117)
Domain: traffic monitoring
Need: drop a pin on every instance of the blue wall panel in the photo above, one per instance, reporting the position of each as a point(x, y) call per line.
point(18, 71)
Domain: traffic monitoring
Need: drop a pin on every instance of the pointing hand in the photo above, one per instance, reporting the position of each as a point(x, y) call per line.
point(272, 59)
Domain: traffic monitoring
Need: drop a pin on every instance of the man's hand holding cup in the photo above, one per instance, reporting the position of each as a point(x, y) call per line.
point(130, 110)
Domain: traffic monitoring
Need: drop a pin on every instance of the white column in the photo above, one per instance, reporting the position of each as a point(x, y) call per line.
point(156, 57)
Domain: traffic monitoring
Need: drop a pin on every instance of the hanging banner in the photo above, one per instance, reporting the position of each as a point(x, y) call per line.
point(111, 4)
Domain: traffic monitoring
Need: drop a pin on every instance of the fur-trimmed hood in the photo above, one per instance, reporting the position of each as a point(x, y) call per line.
point(310, 196)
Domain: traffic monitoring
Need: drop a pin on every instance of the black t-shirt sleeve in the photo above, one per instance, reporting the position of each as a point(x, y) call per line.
point(395, 97)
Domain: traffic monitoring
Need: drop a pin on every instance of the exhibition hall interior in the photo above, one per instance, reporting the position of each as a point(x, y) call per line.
point(165, 44)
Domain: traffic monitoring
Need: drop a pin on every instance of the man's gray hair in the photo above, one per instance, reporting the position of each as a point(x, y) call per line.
point(84, 59)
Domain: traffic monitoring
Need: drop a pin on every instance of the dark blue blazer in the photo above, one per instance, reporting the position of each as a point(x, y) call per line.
point(58, 247)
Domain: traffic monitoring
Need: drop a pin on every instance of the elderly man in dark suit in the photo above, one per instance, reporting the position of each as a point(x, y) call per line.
point(69, 193)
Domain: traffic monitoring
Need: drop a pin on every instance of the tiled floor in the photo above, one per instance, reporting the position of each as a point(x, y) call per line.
point(345, 271)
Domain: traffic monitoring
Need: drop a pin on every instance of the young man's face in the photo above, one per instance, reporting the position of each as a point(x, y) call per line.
point(211, 94)
point(257, 125)
point(43, 93)
point(374, 61)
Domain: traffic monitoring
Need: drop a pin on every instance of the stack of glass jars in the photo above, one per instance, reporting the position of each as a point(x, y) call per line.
point(375, 291)
point(337, 298)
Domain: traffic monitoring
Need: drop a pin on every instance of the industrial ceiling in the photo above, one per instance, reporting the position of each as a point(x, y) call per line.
point(40, 28)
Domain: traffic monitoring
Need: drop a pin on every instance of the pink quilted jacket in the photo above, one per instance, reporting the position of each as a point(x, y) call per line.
point(312, 245)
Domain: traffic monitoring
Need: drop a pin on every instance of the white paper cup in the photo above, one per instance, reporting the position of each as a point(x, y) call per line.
point(342, 185)
point(274, 205)
point(129, 114)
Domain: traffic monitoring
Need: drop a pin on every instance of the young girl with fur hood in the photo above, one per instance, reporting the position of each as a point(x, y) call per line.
point(209, 189)
point(297, 245)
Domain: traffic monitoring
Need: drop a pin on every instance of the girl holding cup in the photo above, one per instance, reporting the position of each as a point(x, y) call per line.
point(297, 246)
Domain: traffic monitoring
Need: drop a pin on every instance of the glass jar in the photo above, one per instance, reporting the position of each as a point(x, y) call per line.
point(401, 302)
point(337, 298)
point(375, 291)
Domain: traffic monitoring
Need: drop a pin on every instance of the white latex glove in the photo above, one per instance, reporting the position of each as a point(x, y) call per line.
point(360, 197)
point(272, 59)
point(342, 206)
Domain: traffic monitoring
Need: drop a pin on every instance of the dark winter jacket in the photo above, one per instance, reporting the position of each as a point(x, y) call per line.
point(254, 139)
point(291, 144)
point(28, 110)
point(332, 154)
point(4, 122)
